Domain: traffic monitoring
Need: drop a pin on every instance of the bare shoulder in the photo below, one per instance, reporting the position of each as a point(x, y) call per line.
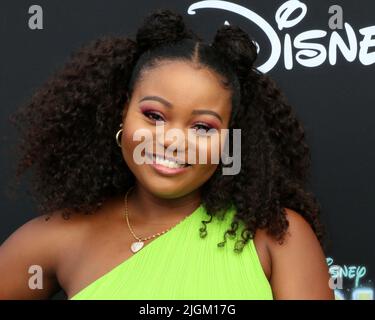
point(299, 269)
point(36, 248)
point(299, 233)
point(267, 246)
point(48, 231)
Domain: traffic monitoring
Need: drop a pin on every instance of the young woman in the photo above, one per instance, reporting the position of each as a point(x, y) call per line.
point(112, 228)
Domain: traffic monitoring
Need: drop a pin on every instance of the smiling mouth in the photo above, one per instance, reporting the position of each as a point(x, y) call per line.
point(167, 162)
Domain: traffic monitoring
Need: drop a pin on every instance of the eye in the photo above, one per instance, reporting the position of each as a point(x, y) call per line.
point(152, 115)
point(204, 127)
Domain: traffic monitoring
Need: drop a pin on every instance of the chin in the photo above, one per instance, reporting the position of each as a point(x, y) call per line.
point(171, 186)
point(168, 189)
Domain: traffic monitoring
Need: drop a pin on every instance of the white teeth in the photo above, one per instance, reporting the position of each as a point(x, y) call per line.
point(165, 162)
point(168, 163)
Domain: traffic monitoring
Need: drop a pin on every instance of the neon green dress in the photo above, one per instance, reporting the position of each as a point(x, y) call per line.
point(180, 265)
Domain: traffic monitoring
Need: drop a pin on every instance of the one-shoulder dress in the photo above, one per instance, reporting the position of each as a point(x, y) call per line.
point(181, 265)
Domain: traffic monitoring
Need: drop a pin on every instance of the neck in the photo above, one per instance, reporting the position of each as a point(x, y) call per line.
point(149, 208)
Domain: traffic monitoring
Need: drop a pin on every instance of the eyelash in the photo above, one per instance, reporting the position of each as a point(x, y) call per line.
point(148, 113)
point(205, 127)
point(151, 114)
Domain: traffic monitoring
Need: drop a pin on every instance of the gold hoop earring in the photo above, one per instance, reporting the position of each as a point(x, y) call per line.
point(117, 137)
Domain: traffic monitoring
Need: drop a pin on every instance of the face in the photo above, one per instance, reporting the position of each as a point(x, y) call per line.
point(175, 96)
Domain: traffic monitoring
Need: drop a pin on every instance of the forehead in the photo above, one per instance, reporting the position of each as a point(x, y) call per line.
point(184, 84)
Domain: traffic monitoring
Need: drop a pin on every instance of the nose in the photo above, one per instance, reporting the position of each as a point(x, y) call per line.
point(167, 135)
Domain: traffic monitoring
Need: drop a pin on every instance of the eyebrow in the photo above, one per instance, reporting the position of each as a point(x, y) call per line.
point(170, 105)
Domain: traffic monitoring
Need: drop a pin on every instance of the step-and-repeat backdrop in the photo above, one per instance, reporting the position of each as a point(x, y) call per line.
point(321, 53)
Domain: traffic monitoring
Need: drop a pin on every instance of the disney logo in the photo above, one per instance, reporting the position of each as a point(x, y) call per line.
point(303, 49)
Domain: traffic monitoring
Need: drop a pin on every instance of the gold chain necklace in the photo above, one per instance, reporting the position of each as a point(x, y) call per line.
point(138, 245)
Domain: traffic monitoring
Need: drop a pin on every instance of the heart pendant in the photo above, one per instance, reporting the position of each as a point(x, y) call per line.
point(136, 246)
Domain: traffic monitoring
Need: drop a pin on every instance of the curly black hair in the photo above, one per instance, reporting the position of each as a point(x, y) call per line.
point(68, 128)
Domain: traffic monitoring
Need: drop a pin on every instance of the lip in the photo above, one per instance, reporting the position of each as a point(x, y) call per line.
point(168, 171)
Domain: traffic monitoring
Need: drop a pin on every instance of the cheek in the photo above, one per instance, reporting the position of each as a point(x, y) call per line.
point(212, 147)
point(207, 149)
point(135, 137)
point(209, 160)
point(128, 143)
